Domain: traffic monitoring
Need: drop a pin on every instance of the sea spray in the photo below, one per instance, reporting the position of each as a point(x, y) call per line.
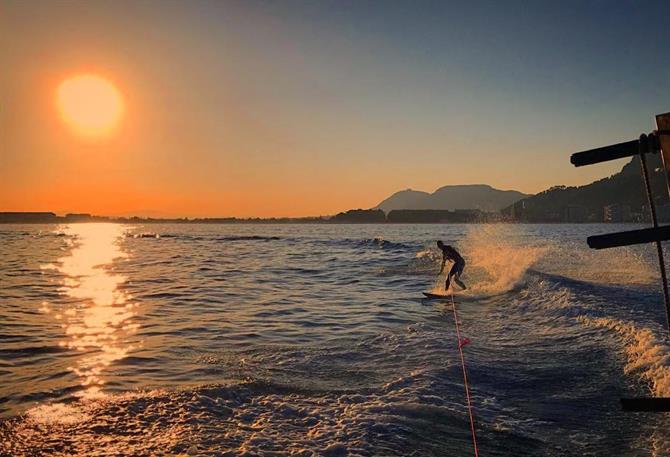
point(439, 284)
point(497, 259)
point(630, 265)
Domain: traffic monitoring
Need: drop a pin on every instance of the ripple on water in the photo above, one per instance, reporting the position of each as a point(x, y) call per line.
point(313, 340)
point(253, 418)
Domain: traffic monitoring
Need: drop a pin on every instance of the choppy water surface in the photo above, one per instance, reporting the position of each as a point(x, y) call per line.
point(293, 340)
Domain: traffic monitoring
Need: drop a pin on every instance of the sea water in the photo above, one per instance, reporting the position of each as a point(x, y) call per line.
point(306, 340)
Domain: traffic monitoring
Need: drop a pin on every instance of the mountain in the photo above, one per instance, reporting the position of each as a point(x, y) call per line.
point(623, 190)
point(472, 196)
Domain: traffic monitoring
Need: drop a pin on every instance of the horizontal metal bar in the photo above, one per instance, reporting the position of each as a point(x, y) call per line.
point(653, 404)
point(615, 151)
point(612, 240)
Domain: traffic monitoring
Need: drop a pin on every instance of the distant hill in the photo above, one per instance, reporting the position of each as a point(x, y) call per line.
point(473, 196)
point(586, 203)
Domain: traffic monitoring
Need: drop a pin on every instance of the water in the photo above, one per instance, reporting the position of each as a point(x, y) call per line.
point(305, 340)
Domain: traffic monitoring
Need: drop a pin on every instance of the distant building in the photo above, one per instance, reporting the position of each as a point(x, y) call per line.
point(515, 212)
point(437, 216)
point(78, 217)
point(468, 215)
point(617, 213)
point(575, 213)
point(27, 218)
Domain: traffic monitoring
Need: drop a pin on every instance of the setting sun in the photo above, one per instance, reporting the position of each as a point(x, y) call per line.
point(91, 105)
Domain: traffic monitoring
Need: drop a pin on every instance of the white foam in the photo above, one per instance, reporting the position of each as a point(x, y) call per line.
point(647, 356)
point(58, 413)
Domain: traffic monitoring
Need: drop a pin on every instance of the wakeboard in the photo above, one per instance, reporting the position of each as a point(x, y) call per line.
point(433, 296)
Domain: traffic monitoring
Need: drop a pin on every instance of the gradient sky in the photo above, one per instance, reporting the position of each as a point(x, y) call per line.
point(273, 108)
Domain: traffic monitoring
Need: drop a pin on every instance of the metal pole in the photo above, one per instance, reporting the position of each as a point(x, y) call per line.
point(644, 148)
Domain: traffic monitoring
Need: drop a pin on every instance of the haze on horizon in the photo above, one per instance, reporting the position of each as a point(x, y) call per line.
point(253, 108)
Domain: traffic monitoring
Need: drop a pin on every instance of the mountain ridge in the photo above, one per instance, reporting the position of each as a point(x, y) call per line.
point(451, 197)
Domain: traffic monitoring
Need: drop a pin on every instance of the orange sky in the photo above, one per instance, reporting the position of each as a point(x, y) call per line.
point(241, 112)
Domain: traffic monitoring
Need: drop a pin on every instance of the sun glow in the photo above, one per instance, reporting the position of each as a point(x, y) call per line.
point(91, 105)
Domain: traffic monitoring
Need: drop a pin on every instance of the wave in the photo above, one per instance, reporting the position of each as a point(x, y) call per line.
point(248, 238)
point(376, 243)
point(648, 357)
point(203, 238)
point(143, 235)
point(251, 418)
point(631, 265)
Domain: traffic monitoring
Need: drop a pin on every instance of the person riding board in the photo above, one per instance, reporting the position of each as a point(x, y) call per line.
point(449, 253)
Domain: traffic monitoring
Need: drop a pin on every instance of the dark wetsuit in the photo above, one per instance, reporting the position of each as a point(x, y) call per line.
point(449, 253)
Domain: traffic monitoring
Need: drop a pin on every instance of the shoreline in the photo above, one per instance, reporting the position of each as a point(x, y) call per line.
point(297, 222)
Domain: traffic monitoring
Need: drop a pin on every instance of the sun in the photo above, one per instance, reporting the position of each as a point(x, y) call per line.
point(91, 105)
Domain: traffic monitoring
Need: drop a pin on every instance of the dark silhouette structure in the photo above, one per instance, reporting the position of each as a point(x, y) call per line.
point(361, 216)
point(658, 143)
point(27, 218)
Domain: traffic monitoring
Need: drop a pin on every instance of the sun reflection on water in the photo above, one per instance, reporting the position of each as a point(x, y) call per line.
point(100, 320)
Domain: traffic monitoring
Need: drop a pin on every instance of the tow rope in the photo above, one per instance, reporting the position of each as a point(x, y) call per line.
point(461, 343)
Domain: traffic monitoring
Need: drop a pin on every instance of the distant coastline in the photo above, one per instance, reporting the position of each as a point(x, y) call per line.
point(358, 216)
point(53, 218)
point(348, 217)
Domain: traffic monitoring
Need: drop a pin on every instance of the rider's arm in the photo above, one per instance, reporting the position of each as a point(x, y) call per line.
point(444, 262)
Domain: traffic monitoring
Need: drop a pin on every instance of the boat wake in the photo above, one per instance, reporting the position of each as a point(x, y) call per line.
point(647, 355)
